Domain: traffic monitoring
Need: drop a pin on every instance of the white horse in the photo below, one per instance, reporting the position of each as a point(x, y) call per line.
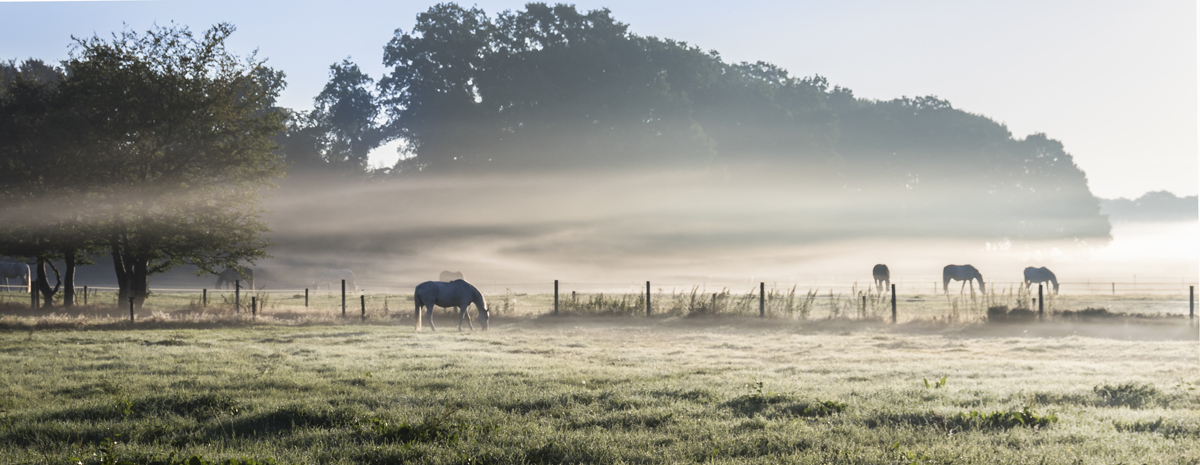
point(883, 278)
point(963, 273)
point(455, 294)
point(10, 270)
point(230, 276)
point(447, 276)
point(1040, 275)
point(332, 277)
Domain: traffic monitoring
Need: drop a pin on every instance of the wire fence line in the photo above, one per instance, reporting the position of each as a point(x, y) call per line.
point(826, 299)
point(1180, 287)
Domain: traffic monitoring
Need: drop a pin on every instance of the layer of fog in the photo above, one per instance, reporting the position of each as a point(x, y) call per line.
point(715, 229)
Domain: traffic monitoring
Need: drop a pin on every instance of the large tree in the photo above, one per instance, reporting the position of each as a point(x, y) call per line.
point(178, 133)
point(40, 158)
point(341, 130)
point(552, 87)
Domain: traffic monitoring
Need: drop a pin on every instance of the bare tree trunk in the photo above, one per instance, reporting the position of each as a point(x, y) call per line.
point(118, 258)
point(139, 281)
point(43, 283)
point(69, 278)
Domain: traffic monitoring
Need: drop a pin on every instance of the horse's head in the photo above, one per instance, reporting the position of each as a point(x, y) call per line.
point(483, 318)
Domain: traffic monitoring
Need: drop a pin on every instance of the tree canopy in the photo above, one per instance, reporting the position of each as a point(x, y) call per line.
point(158, 142)
point(552, 87)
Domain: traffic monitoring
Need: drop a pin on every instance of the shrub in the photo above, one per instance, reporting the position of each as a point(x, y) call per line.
point(431, 429)
point(1002, 420)
point(1132, 395)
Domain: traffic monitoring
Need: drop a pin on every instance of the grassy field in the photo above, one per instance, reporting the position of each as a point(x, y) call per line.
point(573, 389)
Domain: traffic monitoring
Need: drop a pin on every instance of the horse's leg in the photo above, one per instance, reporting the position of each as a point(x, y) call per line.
point(963, 287)
point(429, 316)
point(468, 317)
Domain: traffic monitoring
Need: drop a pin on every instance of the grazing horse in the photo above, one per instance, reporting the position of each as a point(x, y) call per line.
point(332, 276)
point(447, 276)
point(963, 273)
point(9, 270)
point(454, 294)
point(883, 278)
point(229, 276)
point(1040, 275)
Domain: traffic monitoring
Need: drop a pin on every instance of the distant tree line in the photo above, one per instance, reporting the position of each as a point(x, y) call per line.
point(149, 148)
point(552, 87)
point(1152, 206)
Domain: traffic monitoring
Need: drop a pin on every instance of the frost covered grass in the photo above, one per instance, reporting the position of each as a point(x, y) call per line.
point(600, 390)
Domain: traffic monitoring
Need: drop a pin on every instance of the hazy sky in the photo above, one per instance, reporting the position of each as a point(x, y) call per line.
point(1115, 81)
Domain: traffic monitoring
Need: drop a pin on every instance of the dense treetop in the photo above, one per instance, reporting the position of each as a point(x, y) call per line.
point(555, 88)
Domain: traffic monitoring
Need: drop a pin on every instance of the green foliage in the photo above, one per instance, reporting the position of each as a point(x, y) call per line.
point(772, 405)
point(1002, 420)
point(1167, 427)
point(554, 87)
point(1132, 395)
point(341, 130)
point(106, 455)
point(153, 146)
point(434, 428)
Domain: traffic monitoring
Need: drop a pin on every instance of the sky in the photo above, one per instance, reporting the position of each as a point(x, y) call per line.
point(1114, 81)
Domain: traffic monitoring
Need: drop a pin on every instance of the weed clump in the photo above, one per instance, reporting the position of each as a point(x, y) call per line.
point(1163, 426)
point(1132, 395)
point(1002, 314)
point(1001, 420)
point(816, 409)
point(433, 429)
point(772, 405)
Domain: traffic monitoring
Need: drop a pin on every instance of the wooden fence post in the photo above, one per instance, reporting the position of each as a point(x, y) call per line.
point(253, 306)
point(893, 304)
point(1041, 305)
point(203, 297)
point(85, 291)
point(306, 297)
point(864, 306)
point(647, 298)
point(1191, 303)
point(237, 295)
point(556, 297)
point(32, 296)
point(762, 300)
point(131, 309)
point(343, 298)
point(363, 300)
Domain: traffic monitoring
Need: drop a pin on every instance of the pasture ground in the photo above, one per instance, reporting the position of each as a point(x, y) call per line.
point(573, 389)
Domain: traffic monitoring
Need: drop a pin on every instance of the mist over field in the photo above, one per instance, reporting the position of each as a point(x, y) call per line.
point(676, 228)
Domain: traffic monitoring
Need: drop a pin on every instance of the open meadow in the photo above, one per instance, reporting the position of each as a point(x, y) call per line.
point(586, 389)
